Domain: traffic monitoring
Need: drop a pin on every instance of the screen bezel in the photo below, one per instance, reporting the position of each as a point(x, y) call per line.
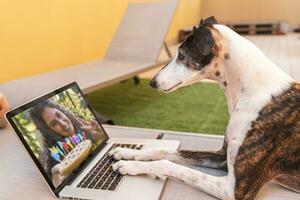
point(10, 114)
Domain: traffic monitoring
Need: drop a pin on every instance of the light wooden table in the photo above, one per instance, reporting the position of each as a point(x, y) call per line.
point(19, 178)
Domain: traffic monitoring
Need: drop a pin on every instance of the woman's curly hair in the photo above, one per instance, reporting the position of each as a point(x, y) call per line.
point(50, 137)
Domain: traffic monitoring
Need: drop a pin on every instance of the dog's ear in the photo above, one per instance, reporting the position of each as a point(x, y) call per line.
point(204, 40)
point(201, 21)
point(208, 21)
point(194, 28)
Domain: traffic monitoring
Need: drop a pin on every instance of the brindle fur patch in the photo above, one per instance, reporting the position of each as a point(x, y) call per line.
point(290, 181)
point(271, 149)
point(216, 159)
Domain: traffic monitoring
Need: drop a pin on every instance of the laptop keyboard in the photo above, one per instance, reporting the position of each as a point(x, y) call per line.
point(102, 176)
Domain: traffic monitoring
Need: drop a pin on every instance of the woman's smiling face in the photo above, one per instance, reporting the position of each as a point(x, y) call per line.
point(58, 121)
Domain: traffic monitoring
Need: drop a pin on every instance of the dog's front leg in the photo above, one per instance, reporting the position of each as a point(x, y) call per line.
point(217, 186)
point(211, 159)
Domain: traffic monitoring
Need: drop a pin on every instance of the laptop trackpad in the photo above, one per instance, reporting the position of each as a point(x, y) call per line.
point(131, 187)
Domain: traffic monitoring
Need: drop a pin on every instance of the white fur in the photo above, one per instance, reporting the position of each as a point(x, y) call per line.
point(173, 74)
point(251, 81)
point(165, 168)
point(250, 69)
point(149, 154)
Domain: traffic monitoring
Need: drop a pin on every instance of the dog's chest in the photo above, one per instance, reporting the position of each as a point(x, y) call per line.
point(253, 136)
point(271, 144)
point(247, 112)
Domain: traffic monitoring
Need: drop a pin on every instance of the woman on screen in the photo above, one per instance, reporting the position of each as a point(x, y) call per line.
point(55, 124)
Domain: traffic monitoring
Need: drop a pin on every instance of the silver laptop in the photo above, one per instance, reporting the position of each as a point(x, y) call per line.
point(69, 147)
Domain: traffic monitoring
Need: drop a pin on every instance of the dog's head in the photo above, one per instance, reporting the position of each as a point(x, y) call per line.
point(196, 58)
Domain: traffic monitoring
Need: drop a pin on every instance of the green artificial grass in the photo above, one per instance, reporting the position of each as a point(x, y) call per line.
point(200, 108)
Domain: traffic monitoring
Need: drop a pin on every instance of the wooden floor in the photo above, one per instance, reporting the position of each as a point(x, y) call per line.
point(283, 50)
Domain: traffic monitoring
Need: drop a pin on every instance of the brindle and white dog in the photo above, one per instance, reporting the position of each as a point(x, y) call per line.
point(262, 141)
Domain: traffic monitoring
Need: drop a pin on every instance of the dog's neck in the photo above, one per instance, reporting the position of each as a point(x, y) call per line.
point(247, 72)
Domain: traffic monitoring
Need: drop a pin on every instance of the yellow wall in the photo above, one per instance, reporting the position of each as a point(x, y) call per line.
point(188, 14)
point(227, 10)
point(43, 35)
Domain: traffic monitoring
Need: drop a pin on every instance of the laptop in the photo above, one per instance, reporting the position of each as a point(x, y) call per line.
point(70, 148)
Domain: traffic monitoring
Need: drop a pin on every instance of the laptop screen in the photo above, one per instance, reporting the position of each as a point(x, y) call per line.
point(61, 132)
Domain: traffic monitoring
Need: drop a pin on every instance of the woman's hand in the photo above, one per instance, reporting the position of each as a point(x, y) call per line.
point(55, 169)
point(57, 178)
point(91, 127)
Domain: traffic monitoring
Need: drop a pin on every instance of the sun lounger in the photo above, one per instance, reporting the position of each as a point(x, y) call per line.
point(134, 49)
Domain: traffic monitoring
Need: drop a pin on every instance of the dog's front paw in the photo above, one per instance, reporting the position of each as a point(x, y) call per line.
point(156, 169)
point(142, 155)
point(127, 167)
point(120, 153)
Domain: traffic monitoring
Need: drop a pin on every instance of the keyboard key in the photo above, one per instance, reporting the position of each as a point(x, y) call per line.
point(101, 175)
point(104, 187)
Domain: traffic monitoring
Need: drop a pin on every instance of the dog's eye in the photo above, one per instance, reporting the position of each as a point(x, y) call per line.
point(180, 56)
point(195, 65)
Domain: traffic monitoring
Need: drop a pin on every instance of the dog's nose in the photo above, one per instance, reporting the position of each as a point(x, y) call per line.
point(153, 83)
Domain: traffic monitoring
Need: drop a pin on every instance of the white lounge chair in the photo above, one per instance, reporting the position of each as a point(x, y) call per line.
point(134, 49)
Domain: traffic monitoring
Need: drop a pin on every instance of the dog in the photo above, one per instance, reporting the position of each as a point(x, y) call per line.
point(262, 140)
